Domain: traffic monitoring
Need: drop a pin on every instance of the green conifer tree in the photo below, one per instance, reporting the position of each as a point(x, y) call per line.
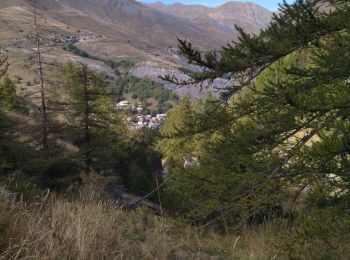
point(95, 123)
point(289, 118)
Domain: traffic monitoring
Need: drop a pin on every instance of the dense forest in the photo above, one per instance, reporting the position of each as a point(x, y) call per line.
point(260, 172)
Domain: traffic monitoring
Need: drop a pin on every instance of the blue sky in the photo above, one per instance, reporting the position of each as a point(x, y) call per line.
point(269, 4)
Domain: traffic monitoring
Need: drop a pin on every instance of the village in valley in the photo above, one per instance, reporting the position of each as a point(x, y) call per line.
point(138, 119)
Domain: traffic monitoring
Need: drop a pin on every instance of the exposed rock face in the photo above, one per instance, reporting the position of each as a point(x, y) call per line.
point(153, 71)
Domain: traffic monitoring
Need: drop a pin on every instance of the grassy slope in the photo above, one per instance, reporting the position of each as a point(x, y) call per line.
point(86, 228)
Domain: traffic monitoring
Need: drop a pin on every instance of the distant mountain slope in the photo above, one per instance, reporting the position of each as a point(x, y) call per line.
point(141, 23)
point(123, 28)
point(249, 16)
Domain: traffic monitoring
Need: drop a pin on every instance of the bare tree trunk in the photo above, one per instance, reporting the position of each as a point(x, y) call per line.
point(87, 120)
point(43, 109)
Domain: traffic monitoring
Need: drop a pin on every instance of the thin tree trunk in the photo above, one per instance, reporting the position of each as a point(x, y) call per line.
point(87, 120)
point(41, 79)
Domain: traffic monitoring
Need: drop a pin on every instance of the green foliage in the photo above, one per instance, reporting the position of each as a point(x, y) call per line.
point(88, 133)
point(8, 97)
point(76, 51)
point(143, 89)
point(9, 151)
point(115, 63)
point(165, 107)
point(122, 62)
point(140, 165)
point(322, 235)
point(95, 124)
point(140, 182)
point(213, 172)
point(26, 185)
point(59, 173)
point(13, 154)
point(180, 119)
point(287, 129)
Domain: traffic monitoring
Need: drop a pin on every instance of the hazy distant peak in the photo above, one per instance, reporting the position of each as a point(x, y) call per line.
point(249, 16)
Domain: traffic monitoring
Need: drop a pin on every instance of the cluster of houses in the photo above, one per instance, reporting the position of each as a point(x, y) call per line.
point(54, 39)
point(141, 121)
point(146, 121)
point(126, 104)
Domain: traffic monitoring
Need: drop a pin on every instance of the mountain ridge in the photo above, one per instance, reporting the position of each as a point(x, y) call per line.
point(114, 29)
point(142, 25)
point(249, 16)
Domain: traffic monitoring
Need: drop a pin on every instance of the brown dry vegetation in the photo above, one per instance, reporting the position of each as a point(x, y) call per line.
point(88, 228)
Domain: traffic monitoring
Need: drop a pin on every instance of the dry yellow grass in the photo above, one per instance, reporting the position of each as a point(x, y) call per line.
point(88, 228)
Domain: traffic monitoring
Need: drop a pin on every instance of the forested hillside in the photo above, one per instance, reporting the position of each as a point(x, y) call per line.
point(278, 145)
point(259, 170)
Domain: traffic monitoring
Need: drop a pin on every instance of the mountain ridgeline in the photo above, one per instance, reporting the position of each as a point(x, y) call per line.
point(127, 29)
point(154, 25)
point(249, 16)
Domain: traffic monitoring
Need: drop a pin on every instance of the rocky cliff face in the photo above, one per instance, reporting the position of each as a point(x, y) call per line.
point(153, 71)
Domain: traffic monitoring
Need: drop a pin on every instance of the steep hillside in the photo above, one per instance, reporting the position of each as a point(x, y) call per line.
point(140, 25)
point(112, 29)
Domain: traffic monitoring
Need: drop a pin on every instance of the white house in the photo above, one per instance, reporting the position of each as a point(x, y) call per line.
point(123, 103)
point(161, 116)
